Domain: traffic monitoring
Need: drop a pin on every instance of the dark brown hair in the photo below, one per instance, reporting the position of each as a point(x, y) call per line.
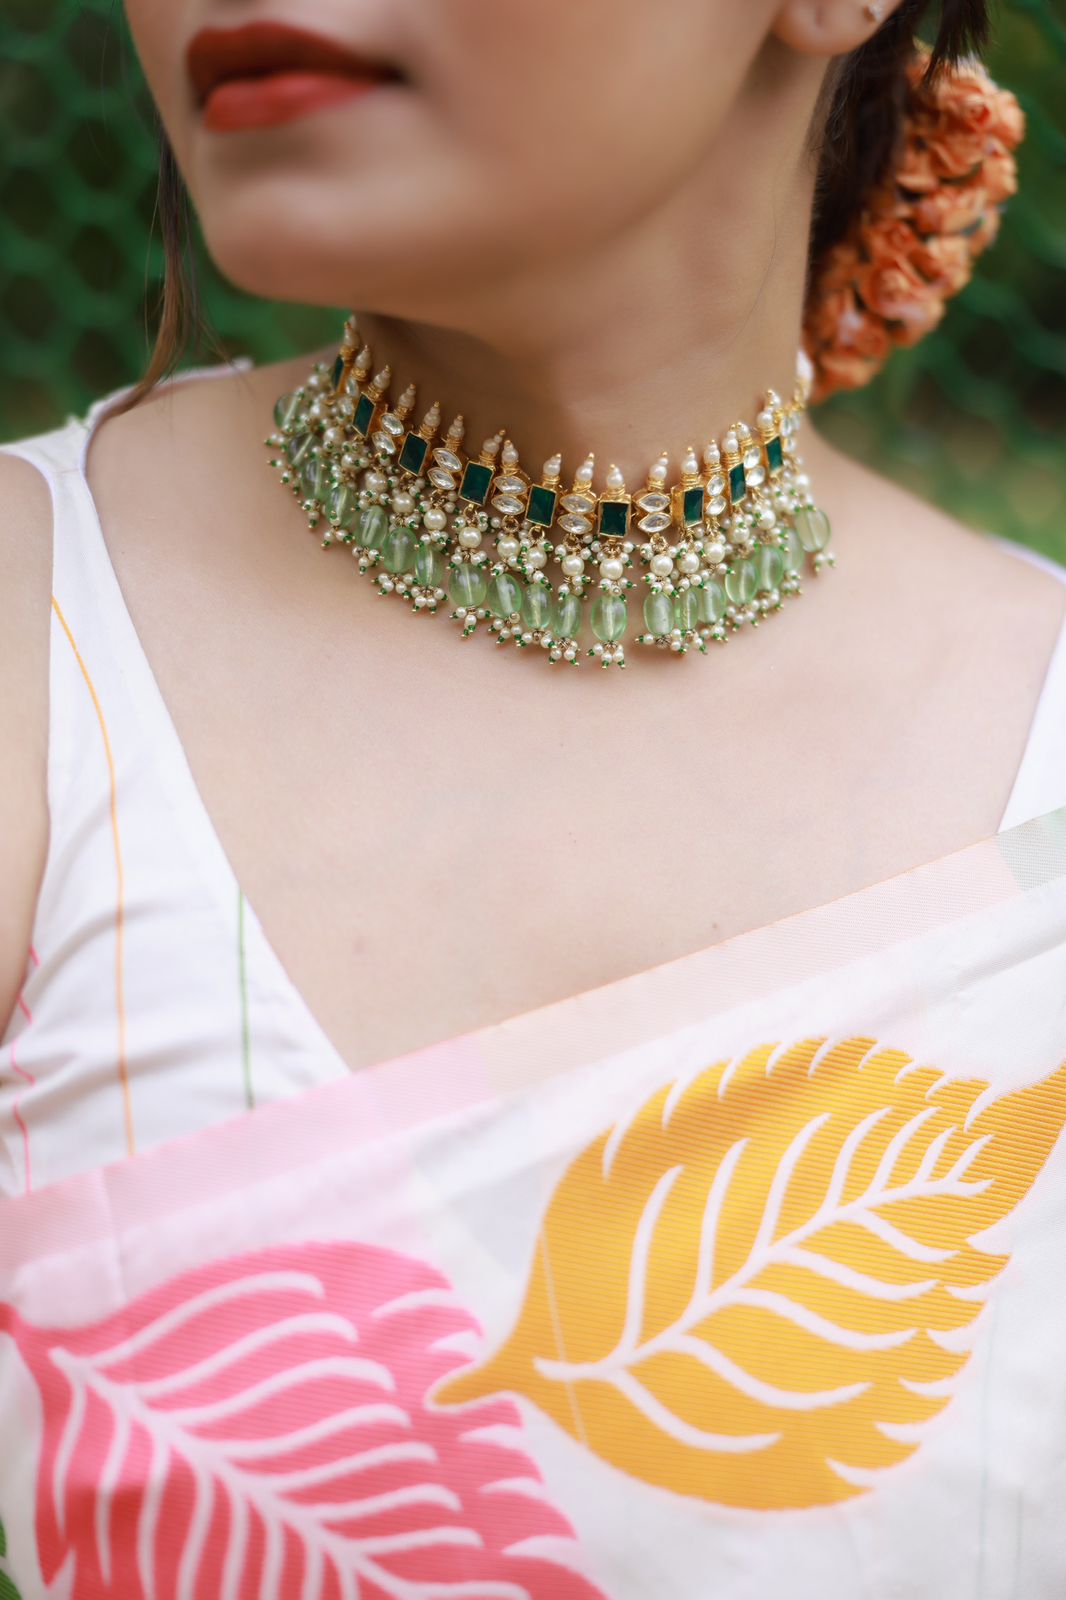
point(859, 137)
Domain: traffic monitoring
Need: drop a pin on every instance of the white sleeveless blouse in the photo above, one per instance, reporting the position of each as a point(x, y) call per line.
point(740, 1277)
point(153, 1003)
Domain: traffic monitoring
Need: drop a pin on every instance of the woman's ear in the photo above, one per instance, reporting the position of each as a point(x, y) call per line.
point(829, 27)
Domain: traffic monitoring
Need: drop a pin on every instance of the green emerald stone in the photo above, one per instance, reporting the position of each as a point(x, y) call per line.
point(466, 587)
point(430, 566)
point(769, 566)
point(398, 548)
point(712, 601)
point(286, 410)
point(738, 483)
point(609, 617)
point(364, 415)
point(687, 609)
point(338, 371)
point(742, 582)
point(537, 606)
point(775, 458)
point(812, 526)
point(614, 518)
point(504, 596)
point(298, 446)
point(567, 617)
point(413, 454)
point(476, 481)
point(658, 614)
point(373, 528)
point(541, 508)
point(343, 507)
point(693, 505)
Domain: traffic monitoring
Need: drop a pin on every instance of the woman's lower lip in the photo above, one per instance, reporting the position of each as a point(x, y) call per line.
point(278, 97)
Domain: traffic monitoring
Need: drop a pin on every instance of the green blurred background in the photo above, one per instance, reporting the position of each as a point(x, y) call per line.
point(974, 418)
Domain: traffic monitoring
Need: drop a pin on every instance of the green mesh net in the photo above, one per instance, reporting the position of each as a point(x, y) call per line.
point(973, 418)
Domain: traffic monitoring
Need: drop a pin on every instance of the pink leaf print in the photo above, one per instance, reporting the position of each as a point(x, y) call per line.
point(258, 1430)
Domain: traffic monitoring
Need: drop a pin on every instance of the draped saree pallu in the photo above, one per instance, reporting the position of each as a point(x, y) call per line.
point(575, 1308)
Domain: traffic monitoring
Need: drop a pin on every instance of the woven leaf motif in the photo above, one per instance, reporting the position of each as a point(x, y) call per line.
point(758, 1290)
point(258, 1428)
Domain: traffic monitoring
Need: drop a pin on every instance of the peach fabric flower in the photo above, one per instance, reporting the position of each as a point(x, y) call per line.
point(885, 283)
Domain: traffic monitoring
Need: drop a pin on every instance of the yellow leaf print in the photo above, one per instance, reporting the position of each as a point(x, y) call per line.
point(751, 1290)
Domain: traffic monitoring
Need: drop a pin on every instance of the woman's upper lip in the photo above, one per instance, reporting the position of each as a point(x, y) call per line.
point(215, 55)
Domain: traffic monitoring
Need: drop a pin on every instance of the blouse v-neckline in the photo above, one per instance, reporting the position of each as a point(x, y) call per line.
point(634, 1005)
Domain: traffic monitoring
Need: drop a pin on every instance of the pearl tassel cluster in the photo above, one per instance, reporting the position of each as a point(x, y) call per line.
point(476, 535)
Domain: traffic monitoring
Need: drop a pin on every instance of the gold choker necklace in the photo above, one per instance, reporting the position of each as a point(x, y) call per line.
point(479, 538)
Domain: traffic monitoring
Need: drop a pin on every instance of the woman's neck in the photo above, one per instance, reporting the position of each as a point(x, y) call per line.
point(654, 338)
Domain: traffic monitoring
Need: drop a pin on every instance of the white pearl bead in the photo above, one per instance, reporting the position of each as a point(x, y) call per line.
point(469, 538)
point(612, 568)
point(403, 504)
point(435, 519)
point(690, 562)
point(766, 517)
point(508, 549)
point(573, 566)
point(536, 559)
point(376, 482)
point(714, 552)
point(661, 566)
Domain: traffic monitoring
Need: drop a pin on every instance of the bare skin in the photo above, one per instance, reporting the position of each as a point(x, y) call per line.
point(416, 820)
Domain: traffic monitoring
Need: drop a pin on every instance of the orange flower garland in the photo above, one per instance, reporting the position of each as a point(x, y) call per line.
point(914, 243)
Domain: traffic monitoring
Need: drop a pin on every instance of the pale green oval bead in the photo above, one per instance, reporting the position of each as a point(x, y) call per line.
point(537, 606)
point(429, 566)
point(373, 527)
point(316, 479)
point(769, 566)
point(609, 617)
point(794, 555)
point(712, 601)
point(297, 447)
point(687, 609)
point(813, 528)
point(398, 549)
point(286, 409)
point(504, 596)
point(740, 584)
point(343, 507)
point(658, 614)
point(466, 586)
point(567, 616)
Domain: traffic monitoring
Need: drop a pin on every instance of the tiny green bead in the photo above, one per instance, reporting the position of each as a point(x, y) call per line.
point(794, 555)
point(372, 527)
point(343, 507)
point(769, 566)
point(741, 583)
point(609, 617)
point(429, 566)
point(286, 409)
point(687, 609)
point(713, 601)
point(813, 528)
point(466, 587)
point(398, 549)
point(658, 614)
point(537, 606)
point(567, 616)
point(504, 596)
